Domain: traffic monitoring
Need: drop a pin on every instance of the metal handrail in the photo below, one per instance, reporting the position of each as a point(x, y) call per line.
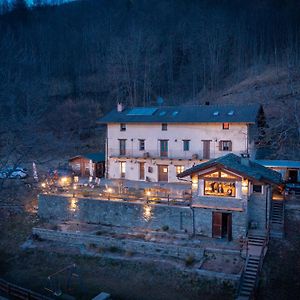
point(18, 292)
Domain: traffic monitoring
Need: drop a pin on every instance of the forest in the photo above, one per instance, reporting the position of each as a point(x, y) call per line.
point(64, 65)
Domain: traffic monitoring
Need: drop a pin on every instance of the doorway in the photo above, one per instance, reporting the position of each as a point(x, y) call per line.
point(141, 170)
point(162, 172)
point(222, 225)
point(206, 149)
point(292, 176)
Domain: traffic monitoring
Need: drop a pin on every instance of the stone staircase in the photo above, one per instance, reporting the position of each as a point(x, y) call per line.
point(257, 248)
point(249, 277)
point(277, 219)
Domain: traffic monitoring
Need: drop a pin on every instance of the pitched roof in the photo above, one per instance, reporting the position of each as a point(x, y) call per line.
point(234, 163)
point(95, 157)
point(184, 114)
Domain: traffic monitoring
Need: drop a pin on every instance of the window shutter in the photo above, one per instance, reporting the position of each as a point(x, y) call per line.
point(220, 145)
point(230, 145)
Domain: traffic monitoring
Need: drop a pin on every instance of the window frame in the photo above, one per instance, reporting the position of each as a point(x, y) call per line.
point(222, 145)
point(164, 126)
point(226, 126)
point(179, 169)
point(123, 127)
point(186, 143)
point(261, 189)
point(142, 145)
point(122, 148)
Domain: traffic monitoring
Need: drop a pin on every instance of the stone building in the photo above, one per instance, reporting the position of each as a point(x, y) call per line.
point(231, 194)
point(157, 143)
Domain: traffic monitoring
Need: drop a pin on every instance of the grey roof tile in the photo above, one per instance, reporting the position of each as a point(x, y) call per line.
point(185, 114)
point(233, 162)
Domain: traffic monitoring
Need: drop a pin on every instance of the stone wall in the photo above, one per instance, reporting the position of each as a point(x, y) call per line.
point(130, 245)
point(203, 222)
point(117, 213)
point(135, 214)
point(259, 211)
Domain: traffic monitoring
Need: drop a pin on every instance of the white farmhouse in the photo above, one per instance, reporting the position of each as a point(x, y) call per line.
point(157, 143)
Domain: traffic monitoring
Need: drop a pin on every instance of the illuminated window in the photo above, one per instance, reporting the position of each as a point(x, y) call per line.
point(179, 169)
point(225, 125)
point(122, 127)
point(186, 145)
point(219, 188)
point(220, 184)
point(123, 168)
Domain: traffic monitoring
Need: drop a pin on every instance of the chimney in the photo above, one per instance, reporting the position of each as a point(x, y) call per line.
point(245, 159)
point(120, 107)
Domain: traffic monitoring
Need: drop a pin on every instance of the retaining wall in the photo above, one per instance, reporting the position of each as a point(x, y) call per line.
point(116, 213)
point(135, 246)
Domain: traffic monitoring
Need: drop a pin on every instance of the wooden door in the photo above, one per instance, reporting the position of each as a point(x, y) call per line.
point(217, 224)
point(162, 173)
point(206, 149)
point(164, 148)
point(142, 170)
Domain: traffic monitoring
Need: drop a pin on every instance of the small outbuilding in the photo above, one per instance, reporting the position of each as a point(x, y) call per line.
point(91, 164)
point(231, 194)
point(289, 169)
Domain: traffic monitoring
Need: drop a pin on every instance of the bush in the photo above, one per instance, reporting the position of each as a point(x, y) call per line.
point(189, 260)
point(165, 228)
point(113, 249)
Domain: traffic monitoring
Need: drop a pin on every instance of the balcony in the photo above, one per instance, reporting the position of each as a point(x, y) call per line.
point(155, 153)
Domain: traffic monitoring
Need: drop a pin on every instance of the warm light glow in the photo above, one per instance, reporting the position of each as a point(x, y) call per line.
point(147, 212)
point(148, 193)
point(245, 183)
point(74, 187)
point(73, 204)
point(76, 178)
point(109, 190)
point(194, 180)
point(63, 180)
point(43, 184)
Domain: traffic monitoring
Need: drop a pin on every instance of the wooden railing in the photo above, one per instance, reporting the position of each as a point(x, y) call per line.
point(16, 292)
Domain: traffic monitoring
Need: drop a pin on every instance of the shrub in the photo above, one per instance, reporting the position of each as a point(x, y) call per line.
point(165, 228)
point(189, 260)
point(128, 253)
point(113, 249)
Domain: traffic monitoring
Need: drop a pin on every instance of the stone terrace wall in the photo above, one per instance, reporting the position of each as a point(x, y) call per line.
point(117, 213)
point(136, 246)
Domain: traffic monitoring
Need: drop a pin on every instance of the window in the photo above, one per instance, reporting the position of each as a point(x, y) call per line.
point(164, 126)
point(142, 145)
point(179, 169)
point(225, 146)
point(122, 147)
point(164, 148)
point(219, 183)
point(219, 188)
point(257, 188)
point(123, 168)
point(122, 127)
point(186, 145)
point(225, 125)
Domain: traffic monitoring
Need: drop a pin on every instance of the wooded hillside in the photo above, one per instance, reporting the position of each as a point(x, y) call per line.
point(62, 67)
